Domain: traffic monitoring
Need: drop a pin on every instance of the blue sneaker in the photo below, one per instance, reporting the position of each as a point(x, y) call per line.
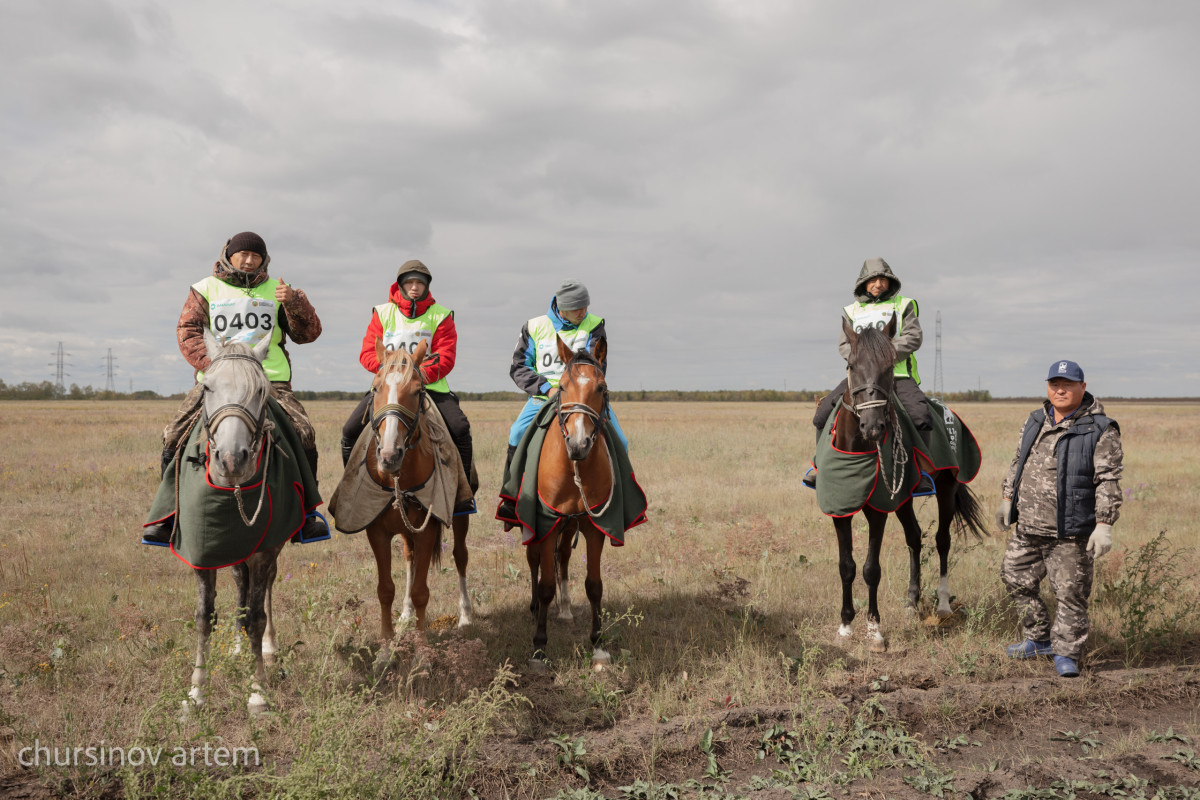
point(1029, 649)
point(1066, 667)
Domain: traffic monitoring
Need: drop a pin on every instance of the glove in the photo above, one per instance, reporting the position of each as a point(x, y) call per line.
point(1100, 542)
point(1004, 514)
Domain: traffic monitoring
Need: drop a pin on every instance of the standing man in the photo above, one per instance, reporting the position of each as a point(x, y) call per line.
point(876, 298)
point(240, 302)
point(1063, 491)
point(410, 316)
point(536, 367)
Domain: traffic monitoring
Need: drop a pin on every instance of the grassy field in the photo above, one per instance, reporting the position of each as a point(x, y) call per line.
point(729, 680)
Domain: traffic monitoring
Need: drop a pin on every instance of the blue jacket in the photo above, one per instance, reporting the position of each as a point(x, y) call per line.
point(523, 370)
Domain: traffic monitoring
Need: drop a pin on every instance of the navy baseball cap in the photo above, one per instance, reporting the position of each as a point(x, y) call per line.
point(1066, 369)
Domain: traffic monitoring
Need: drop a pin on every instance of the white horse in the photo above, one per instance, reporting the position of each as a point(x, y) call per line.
point(234, 410)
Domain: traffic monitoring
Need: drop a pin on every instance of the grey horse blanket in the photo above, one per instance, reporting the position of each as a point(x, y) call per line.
point(848, 481)
point(358, 500)
point(209, 530)
point(538, 520)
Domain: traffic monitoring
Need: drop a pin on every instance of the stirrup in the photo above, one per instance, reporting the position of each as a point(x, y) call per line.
point(305, 536)
point(159, 534)
point(920, 491)
point(466, 507)
point(810, 478)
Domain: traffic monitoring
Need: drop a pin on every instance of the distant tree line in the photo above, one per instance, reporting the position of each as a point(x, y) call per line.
point(51, 391)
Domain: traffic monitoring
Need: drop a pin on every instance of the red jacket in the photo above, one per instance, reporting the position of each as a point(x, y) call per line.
point(442, 350)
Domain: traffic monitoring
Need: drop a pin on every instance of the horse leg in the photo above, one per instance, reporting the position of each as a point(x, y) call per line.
point(876, 522)
point(381, 546)
point(422, 550)
point(564, 557)
point(460, 526)
point(912, 537)
point(533, 555)
point(847, 568)
point(206, 600)
point(269, 648)
point(594, 586)
point(544, 589)
point(261, 568)
point(946, 491)
point(242, 582)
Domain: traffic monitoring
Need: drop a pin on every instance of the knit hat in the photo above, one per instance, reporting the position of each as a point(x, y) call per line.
point(414, 269)
point(248, 241)
point(572, 295)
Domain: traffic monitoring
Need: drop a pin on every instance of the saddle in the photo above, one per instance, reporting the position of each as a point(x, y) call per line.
point(626, 510)
point(359, 500)
point(210, 529)
point(850, 481)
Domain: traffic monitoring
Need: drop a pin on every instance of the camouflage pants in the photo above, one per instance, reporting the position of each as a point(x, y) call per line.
point(1068, 565)
point(189, 410)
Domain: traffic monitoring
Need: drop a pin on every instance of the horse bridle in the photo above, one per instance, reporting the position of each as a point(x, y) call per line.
point(857, 408)
point(210, 422)
point(565, 410)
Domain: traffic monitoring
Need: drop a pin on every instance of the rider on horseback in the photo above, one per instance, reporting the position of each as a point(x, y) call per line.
point(410, 316)
point(537, 367)
point(876, 298)
point(240, 302)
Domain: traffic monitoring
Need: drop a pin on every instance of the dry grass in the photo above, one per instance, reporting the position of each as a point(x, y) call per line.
point(731, 591)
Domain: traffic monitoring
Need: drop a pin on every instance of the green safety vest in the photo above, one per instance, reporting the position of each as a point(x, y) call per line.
point(247, 316)
point(876, 315)
point(403, 332)
point(542, 333)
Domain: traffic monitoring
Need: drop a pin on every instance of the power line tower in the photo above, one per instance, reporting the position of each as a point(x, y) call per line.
point(60, 363)
point(110, 384)
point(939, 390)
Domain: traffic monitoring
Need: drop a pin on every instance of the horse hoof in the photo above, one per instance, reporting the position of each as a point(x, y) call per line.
point(600, 660)
point(257, 705)
point(465, 620)
point(538, 666)
point(845, 632)
point(877, 646)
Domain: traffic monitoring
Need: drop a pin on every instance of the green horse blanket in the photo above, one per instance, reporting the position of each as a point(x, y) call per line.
point(209, 530)
point(538, 520)
point(848, 481)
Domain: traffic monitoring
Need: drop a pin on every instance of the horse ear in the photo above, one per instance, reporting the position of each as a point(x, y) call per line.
point(851, 336)
point(600, 350)
point(564, 350)
point(212, 345)
point(261, 349)
point(380, 352)
point(890, 330)
point(418, 355)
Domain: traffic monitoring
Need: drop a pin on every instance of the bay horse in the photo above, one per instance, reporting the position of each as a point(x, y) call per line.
point(575, 477)
point(402, 457)
point(871, 420)
point(234, 412)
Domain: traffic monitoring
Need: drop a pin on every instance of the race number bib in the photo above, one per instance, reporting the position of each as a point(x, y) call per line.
point(873, 316)
point(405, 339)
point(247, 320)
point(548, 362)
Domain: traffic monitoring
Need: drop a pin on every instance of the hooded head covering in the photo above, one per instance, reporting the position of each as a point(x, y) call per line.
point(875, 268)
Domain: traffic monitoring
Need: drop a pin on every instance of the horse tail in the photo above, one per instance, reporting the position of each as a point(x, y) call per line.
point(969, 513)
point(410, 545)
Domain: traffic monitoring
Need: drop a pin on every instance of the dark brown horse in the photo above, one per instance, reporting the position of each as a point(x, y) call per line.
point(867, 421)
point(575, 479)
point(402, 457)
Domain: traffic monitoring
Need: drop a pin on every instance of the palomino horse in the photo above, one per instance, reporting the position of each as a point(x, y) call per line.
point(403, 458)
point(575, 476)
point(868, 398)
point(234, 410)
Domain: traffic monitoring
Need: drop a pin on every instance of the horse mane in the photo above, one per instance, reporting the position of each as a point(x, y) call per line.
point(246, 374)
point(586, 358)
point(875, 347)
point(397, 361)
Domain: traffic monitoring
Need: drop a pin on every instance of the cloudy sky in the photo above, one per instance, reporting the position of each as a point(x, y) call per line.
point(715, 171)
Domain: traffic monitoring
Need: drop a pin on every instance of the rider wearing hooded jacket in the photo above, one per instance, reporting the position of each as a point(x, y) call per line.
point(876, 299)
point(410, 316)
point(240, 302)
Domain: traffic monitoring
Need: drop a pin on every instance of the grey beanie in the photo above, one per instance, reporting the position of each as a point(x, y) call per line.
point(572, 295)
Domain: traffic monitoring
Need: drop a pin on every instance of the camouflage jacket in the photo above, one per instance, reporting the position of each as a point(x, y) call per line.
point(299, 319)
point(1038, 503)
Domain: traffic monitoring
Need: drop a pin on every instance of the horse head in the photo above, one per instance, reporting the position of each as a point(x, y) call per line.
point(870, 378)
point(582, 397)
point(234, 408)
point(396, 404)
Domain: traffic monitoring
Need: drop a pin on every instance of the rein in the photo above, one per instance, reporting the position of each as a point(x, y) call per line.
point(899, 453)
point(261, 430)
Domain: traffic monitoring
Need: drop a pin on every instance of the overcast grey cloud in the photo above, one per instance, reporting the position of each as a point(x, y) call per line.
point(716, 172)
